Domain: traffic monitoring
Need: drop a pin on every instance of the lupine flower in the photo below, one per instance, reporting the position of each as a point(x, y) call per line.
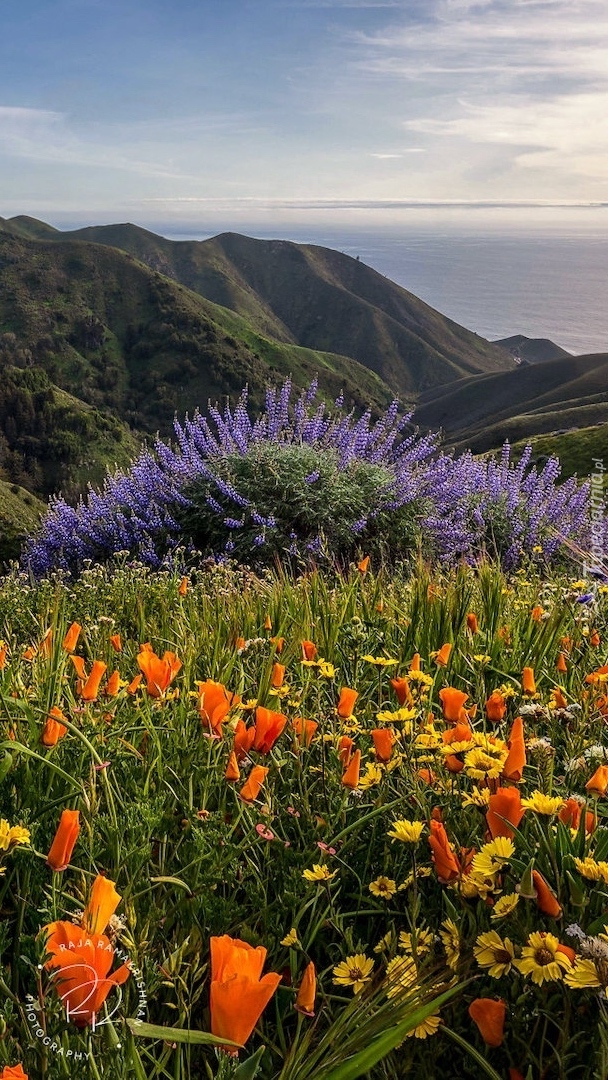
point(64, 841)
point(305, 1001)
point(159, 673)
point(489, 1016)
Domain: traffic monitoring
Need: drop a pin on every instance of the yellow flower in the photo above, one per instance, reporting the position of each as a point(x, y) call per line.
point(474, 885)
point(326, 669)
point(407, 831)
point(419, 943)
point(399, 716)
point(505, 905)
point(584, 975)
point(372, 775)
point(486, 759)
point(493, 953)
point(426, 1028)
point(420, 677)
point(543, 804)
point(385, 944)
point(383, 887)
point(421, 872)
point(355, 971)
point(291, 938)
point(379, 661)
point(11, 835)
point(401, 975)
point(450, 939)
point(493, 856)
point(588, 868)
point(482, 658)
point(541, 960)
point(477, 797)
point(319, 873)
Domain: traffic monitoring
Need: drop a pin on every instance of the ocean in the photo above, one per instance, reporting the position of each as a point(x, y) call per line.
point(549, 282)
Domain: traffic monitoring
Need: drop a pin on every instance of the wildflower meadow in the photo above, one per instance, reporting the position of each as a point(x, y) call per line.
point(308, 819)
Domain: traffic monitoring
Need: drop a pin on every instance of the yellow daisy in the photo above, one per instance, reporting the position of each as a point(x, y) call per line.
point(493, 953)
point(385, 944)
point(426, 1028)
point(372, 775)
point(383, 887)
point(543, 804)
point(419, 943)
point(450, 939)
point(319, 873)
point(584, 975)
point(379, 661)
point(407, 831)
point(485, 761)
point(421, 872)
point(493, 856)
point(477, 797)
point(355, 971)
point(291, 938)
point(504, 906)
point(541, 960)
point(401, 975)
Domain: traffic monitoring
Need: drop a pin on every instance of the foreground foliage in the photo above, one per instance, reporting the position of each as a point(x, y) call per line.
point(400, 782)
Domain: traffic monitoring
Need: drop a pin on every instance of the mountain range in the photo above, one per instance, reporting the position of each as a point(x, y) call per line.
point(107, 332)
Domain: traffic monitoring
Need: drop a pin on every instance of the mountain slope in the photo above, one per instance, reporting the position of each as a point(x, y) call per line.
point(310, 296)
point(481, 412)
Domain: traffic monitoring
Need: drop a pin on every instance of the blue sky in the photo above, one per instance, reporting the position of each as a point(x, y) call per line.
point(203, 110)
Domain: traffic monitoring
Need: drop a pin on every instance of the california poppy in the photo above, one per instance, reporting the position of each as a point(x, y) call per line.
point(71, 637)
point(134, 685)
point(363, 565)
point(54, 728)
point(243, 739)
point(345, 746)
point(384, 741)
point(472, 623)
point(559, 700)
point(183, 586)
point(268, 727)
point(251, 788)
point(496, 707)
point(113, 684)
point(80, 961)
point(504, 812)
point(346, 702)
point(414, 664)
point(309, 650)
point(278, 675)
point(102, 903)
point(561, 664)
point(446, 863)
point(350, 777)
point(214, 704)
point(401, 687)
point(514, 765)
point(546, 901)
point(13, 1072)
point(489, 1015)
point(233, 772)
point(238, 993)
point(90, 689)
point(268, 623)
point(116, 642)
point(598, 783)
point(159, 673)
point(443, 655)
point(570, 814)
point(304, 730)
point(278, 643)
point(537, 613)
point(527, 681)
point(452, 701)
point(46, 645)
point(64, 841)
point(305, 1001)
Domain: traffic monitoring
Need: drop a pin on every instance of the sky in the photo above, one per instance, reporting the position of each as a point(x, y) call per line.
point(182, 111)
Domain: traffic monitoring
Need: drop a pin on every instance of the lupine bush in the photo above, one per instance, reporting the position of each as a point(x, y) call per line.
point(304, 480)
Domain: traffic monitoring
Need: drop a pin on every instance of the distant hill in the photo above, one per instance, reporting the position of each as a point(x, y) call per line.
point(531, 350)
point(309, 296)
point(481, 412)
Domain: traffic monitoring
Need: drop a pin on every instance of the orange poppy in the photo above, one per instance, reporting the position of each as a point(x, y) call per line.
point(214, 704)
point(346, 702)
point(46, 645)
point(116, 642)
point(345, 746)
point(134, 685)
point(267, 623)
point(183, 586)
point(384, 740)
point(363, 565)
point(427, 775)
point(102, 903)
point(504, 812)
point(594, 638)
point(443, 655)
point(527, 681)
point(71, 637)
point(251, 788)
point(452, 701)
point(13, 1072)
point(238, 993)
point(79, 664)
point(80, 962)
point(570, 814)
point(401, 687)
point(598, 783)
point(304, 730)
point(446, 863)
point(414, 664)
point(268, 727)
point(561, 664)
point(489, 1015)
point(278, 675)
point(3, 652)
point(113, 684)
point(514, 765)
point(309, 650)
point(64, 841)
point(472, 623)
point(537, 613)
point(90, 689)
point(496, 707)
point(305, 1001)
point(240, 644)
point(546, 900)
point(278, 643)
point(159, 673)
point(558, 698)
point(54, 729)
point(566, 950)
point(243, 739)
point(233, 772)
point(350, 777)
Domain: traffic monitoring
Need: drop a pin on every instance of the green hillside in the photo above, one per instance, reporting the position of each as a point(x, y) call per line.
point(575, 449)
point(20, 513)
point(309, 296)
